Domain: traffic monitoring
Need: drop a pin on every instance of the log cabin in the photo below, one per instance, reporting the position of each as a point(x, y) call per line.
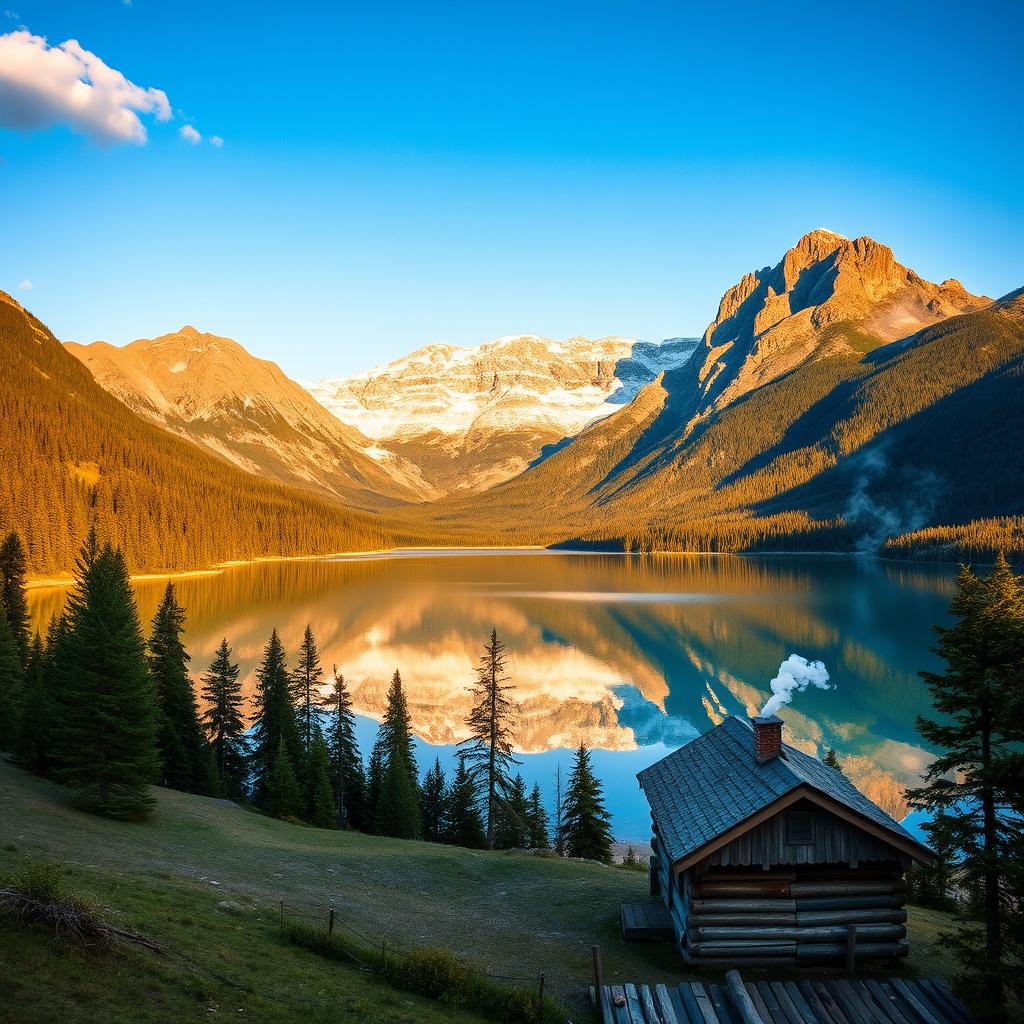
point(764, 855)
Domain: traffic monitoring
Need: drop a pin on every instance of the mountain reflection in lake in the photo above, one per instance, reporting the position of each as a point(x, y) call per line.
point(633, 654)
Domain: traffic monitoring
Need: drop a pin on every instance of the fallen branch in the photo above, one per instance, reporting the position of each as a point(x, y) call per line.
point(70, 920)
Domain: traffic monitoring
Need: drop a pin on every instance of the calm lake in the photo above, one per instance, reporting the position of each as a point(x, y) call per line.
point(633, 654)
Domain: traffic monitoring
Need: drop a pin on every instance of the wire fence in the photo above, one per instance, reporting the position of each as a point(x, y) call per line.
point(331, 923)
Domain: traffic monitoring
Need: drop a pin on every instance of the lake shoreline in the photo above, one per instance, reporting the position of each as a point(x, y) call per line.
point(221, 567)
point(373, 553)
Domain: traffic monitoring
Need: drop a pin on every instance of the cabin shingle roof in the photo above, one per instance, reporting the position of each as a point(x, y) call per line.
point(714, 783)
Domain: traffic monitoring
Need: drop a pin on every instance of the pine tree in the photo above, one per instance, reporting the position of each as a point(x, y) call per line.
point(10, 684)
point(275, 724)
point(488, 749)
point(283, 797)
point(465, 823)
point(832, 759)
point(347, 778)
point(225, 726)
point(537, 821)
point(396, 812)
point(434, 804)
point(320, 808)
point(586, 824)
point(306, 679)
point(974, 785)
point(512, 831)
point(179, 738)
point(13, 594)
point(34, 722)
point(105, 734)
point(559, 796)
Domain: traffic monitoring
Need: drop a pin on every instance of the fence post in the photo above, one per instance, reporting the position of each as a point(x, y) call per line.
point(384, 955)
point(541, 999)
point(330, 925)
point(282, 917)
point(595, 952)
point(851, 946)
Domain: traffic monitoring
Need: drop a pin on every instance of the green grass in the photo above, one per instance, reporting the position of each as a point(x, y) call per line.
point(510, 914)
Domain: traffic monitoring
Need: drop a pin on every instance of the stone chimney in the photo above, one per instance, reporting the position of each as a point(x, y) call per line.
point(767, 737)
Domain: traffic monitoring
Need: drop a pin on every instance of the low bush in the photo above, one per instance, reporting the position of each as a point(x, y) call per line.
point(436, 973)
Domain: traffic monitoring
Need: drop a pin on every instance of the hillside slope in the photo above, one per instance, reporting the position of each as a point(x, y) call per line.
point(213, 392)
point(816, 432)
point(74, 455)
point(470, 418)
point(509, 913)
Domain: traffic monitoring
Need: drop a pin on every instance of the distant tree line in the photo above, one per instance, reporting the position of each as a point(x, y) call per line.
point(96, 706)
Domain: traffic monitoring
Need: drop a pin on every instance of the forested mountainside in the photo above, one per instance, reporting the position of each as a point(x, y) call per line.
point(850, 441)
point(212, 391)
point(74, 455)
point(470, 418)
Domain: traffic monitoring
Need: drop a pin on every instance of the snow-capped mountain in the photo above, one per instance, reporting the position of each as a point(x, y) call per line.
point(470, 418)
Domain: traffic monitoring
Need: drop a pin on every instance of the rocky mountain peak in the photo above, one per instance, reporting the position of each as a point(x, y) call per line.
point(826, 290)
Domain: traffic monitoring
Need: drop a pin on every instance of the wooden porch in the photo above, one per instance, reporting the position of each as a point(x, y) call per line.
point(894, 1001)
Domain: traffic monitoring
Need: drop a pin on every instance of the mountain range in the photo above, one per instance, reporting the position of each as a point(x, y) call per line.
point(837, 401)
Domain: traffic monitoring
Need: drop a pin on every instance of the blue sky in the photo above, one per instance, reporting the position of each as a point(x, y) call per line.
point(397, 174)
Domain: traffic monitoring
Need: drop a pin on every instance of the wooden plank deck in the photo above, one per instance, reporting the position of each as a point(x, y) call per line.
point(833, 1001)
point(645, 922)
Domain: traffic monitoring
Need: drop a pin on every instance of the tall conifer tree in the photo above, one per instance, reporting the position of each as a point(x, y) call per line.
point(586, 823)
point(13, 594)
point(434, 804)
point(179, 738)
point(465, 823)
point(488, 749)
point(224, 721)
point(11, 676)
point(275, 718)
point(282, 795)
point(105, 741)
point(347, 778)
point(974, 786)
point(537, 821)
point(512, 832)
point(306, 680)
point(320, 809)
point(36, 713)
point(397, 808)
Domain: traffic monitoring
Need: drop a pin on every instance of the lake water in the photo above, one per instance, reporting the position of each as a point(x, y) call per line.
point(633, 654)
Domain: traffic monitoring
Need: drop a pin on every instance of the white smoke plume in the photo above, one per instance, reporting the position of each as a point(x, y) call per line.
point(795, 675)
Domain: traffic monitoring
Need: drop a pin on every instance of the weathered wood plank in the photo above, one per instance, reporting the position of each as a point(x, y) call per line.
point(778, 1014)
point(620, 1006)
point(843, 995)
point(879, 1004)
point(693, 1012)
point(867, 932)
point(800, 1002)
point(885, 1001)
point(636, 1012)
point(852, 915)
point(835, 1011)
point(647, 1003)
point(858, 995)
point(920, 1005)
point(820, 1009)
point(707, 1007)
point(789, 1007)
point(758, 1000)
point(722, 1006)
point(744, 1005)
point(806, 903)
point(665, 1007)
point(714, 906)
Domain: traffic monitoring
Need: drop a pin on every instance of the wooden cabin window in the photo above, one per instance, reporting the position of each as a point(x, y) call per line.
point(799, 828)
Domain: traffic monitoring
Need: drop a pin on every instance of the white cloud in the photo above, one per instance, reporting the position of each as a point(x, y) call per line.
point(189, 134)
point(25, 285)
point(216, 140)
point(43, 85)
